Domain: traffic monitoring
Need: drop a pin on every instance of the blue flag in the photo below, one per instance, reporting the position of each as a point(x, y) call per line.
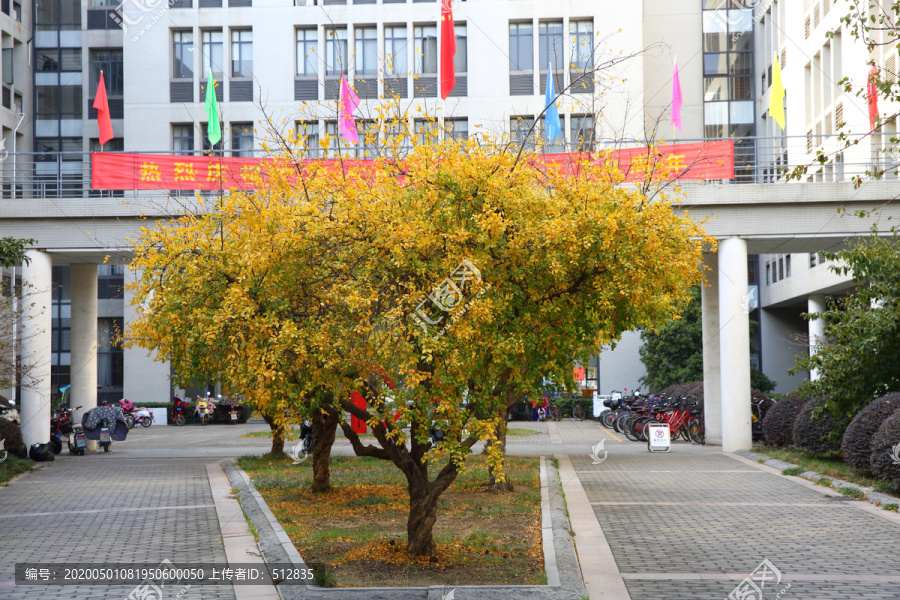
point(551, 115)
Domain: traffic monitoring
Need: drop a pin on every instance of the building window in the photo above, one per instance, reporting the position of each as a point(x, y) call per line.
point(207, 147)
point(425, 51)
point(460, 59)
point(368, 139)
point(550, 46)
point(768, 273)
point(242, 139)
point(582, 33)
point(242, 53)
point(212, 54)
point(518, 130)
point(110, 62)
point(183, 55)
point(521, 47)
point(308, 137)
point(787, 265)
point(183, 139)
point(728, 79)
point(338, 142)
point(395, 51)
point(110, 358)
point(307, 52)
point(56, 60)
point(558, 143)
point(582, 133)
point(426, 131)
point(336, 59)
point(366, 50)
point(457, 129)
point(780, 268)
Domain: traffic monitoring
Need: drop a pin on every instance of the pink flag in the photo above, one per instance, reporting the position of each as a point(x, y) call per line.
point(349, 103)
point(677, 99)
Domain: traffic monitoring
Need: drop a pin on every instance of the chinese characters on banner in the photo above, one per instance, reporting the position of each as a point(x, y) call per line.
point(128, 171)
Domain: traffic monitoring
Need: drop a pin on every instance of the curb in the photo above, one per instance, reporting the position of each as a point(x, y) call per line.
point(564, 579)
point(876, 498)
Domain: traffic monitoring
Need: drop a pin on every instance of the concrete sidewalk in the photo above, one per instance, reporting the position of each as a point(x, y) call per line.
point(119, 510)
point(692, 524)
point(696, 523)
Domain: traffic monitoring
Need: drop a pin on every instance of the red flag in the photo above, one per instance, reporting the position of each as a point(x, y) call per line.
point(102, 106)
point(873, 96)
point(448, 49)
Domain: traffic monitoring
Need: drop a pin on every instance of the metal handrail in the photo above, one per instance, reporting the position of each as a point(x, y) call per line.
point(757, 160)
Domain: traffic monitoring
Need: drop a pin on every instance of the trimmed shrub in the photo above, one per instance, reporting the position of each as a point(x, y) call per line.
point(812, 434)
point(778, 425)
point(12, 438)
point(883, 461)
point(856, 446)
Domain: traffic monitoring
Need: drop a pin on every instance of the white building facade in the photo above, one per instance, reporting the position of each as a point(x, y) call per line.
point(286, 57)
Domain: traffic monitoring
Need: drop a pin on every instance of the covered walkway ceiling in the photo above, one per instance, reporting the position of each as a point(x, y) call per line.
point(773, 218)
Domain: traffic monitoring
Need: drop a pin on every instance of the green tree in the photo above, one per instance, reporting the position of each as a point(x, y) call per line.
point(673, 353)
point(12, 251)
point(860, 359)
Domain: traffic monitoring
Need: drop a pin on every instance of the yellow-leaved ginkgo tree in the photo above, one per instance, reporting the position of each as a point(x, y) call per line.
point(437, 280)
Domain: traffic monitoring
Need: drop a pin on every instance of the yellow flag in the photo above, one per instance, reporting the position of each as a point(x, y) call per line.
point(776, 95)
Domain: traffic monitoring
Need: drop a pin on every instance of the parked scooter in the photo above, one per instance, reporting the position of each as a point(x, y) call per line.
point(105, 424)
point(179, 410)
point(204, 410)
point(135, 415)
point(61, 427)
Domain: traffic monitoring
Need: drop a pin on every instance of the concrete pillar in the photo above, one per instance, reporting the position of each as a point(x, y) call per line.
point(34, 344)
point(84, 341)
point(815, 304)
point(734, 348)
point(712, 387)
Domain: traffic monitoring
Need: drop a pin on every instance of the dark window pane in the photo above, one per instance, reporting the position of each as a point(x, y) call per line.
point(741, 88)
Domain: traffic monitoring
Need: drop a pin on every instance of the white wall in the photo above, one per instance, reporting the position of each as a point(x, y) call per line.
point(622, 367)
point(779, 328)
point(145, 380)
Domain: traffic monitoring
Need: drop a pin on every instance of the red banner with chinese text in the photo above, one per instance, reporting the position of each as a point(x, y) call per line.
point(130, 171)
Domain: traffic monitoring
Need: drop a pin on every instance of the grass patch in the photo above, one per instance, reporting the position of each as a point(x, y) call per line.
point(823, 481)
point(295, 433)
point(852, 492)
point(892, 506)
point(517, 431)
point(12, 466)
point(830, 465)
point(793, 471)
point(355, 535)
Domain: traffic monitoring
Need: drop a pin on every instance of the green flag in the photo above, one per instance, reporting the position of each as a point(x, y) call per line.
point(213, 128)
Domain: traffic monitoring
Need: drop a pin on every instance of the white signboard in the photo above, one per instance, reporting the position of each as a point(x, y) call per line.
point(159, 415)
point(658, 438)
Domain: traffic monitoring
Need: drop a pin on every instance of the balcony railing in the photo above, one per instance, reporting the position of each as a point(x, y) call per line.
point(757, 160)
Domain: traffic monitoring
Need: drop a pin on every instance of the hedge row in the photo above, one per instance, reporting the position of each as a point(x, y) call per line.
point(778, 424)
point(871, 442)
point(856, 447)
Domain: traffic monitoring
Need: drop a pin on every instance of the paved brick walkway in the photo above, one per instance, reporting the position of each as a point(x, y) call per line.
point(694, 523)
point(102, 509)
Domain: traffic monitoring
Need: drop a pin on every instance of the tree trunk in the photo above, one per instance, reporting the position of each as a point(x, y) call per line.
point(422, 516)
point(324, 428)
point(494, 482)
point(277, 450)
